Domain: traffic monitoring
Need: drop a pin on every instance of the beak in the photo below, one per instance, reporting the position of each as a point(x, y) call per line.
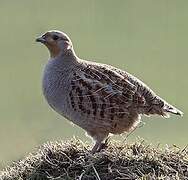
point(41, 40)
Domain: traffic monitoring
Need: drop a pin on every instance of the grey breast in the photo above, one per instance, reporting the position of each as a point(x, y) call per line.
point(56, 85)
point(57, 78)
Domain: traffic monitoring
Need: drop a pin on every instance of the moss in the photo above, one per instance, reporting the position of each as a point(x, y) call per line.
point(72, 160)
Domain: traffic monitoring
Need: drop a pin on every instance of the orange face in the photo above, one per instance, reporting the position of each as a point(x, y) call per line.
point(56, 42)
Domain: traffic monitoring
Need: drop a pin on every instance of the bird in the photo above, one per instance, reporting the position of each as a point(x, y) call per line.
point(99, 98)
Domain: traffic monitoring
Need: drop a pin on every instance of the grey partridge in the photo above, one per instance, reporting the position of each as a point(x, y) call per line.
point(97, 97)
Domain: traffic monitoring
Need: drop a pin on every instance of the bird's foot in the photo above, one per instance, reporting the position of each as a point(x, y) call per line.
point(100, 146)
point(104, 145)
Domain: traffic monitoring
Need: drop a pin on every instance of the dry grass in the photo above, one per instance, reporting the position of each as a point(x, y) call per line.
point(72, 160)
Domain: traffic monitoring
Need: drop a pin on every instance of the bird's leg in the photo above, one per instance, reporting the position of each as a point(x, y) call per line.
point(104, 144)
point(99, 145)
point(96, 147)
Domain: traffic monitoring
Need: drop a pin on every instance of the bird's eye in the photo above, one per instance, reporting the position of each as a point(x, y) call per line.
point(55, 37)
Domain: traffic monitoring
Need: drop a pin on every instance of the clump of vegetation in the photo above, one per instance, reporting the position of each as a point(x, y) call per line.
point(72, 160)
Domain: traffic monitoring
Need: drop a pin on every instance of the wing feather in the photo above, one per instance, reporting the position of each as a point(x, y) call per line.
point(102, 91)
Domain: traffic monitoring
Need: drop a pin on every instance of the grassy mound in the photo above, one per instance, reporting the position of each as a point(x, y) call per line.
point(72, 160)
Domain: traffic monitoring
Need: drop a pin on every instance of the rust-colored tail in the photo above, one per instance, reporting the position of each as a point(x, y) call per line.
point(161, 107)
point(169, 108)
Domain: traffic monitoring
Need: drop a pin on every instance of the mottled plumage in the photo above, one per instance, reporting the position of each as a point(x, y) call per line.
point(99, 98)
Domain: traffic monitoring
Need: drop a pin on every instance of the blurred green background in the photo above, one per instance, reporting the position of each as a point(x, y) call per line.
point(148, 38)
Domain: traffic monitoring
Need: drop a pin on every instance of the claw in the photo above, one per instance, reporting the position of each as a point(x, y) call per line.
point(100, 146)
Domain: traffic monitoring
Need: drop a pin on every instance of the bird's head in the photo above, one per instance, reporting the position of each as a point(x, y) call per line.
point(57, 42)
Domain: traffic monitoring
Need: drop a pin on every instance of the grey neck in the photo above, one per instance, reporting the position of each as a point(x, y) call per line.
point(65, 59)
point(67, 55)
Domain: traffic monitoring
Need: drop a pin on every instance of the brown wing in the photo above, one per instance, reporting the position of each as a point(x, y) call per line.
point(99, 91)
point(153, 104)
point(142, 89)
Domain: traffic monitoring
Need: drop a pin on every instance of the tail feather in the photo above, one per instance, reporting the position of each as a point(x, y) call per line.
point(161, 107)
point(173, 110)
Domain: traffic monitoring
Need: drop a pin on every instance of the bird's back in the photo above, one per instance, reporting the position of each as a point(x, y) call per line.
point(129, 91)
